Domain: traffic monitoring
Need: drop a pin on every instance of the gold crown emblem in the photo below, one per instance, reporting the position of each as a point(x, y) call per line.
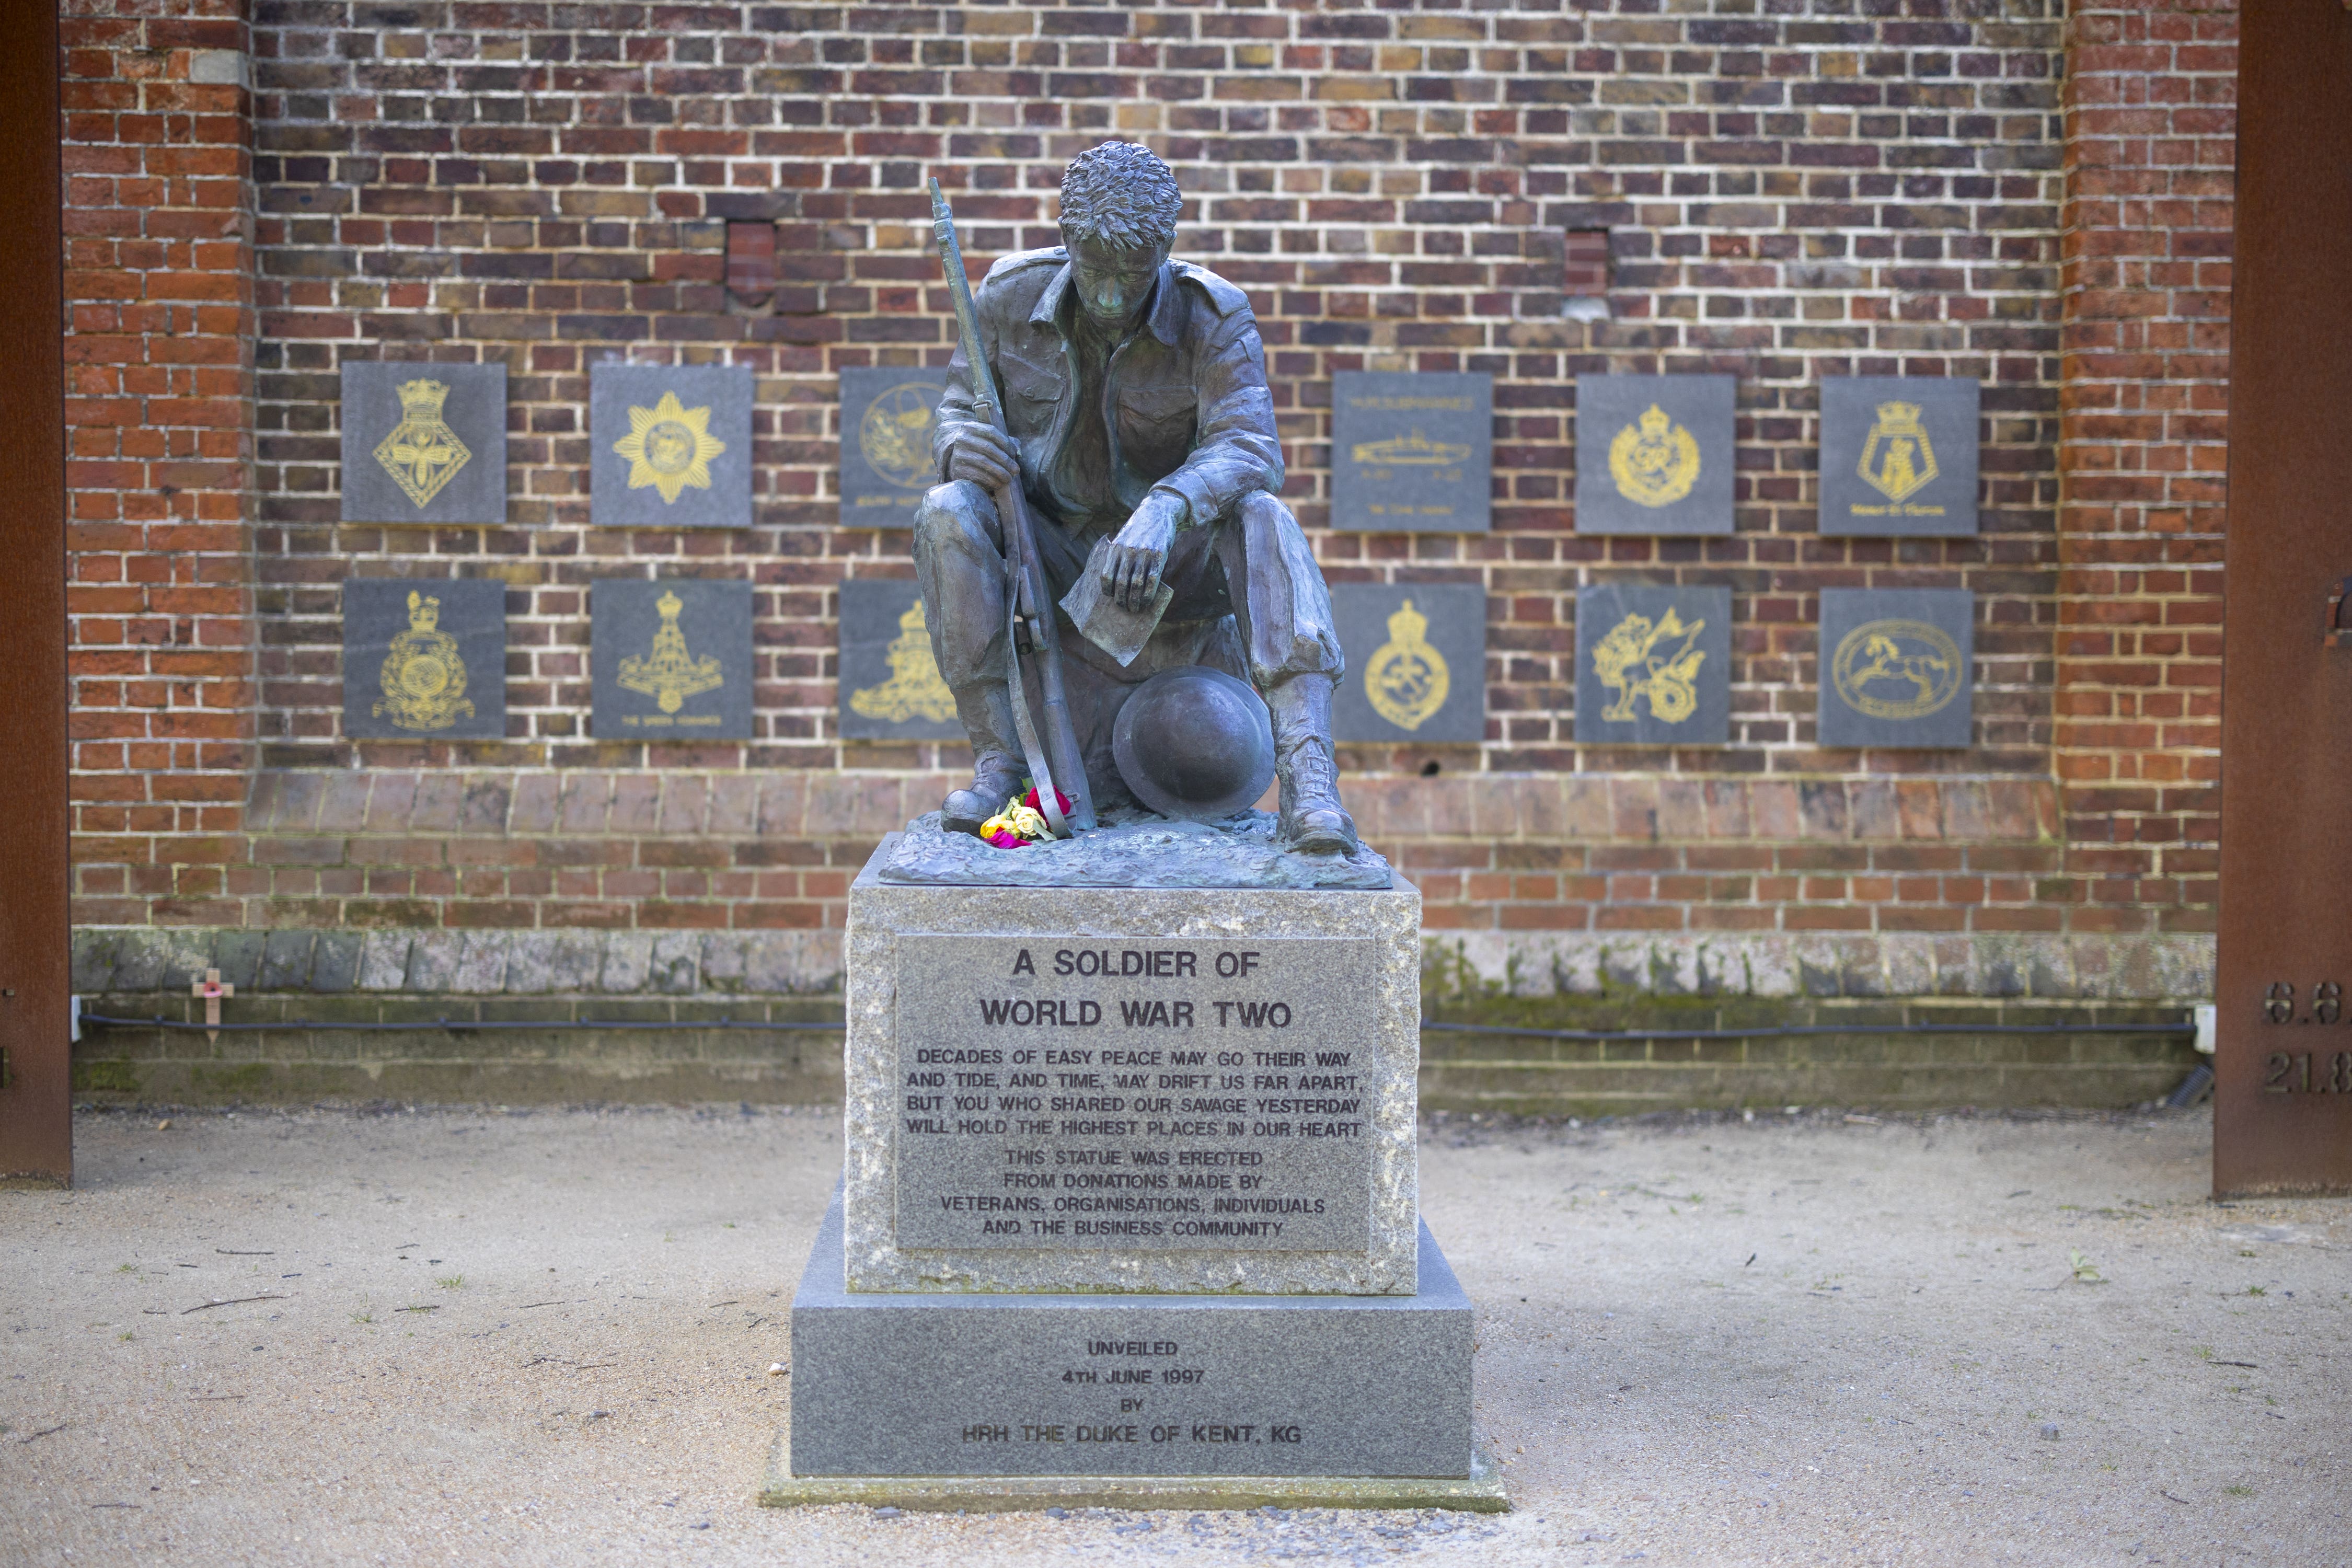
point(1655, 423)
point(1408, 624)
point(423, 399)
point(424, 614)
point(1899, 419)
point(670, 604)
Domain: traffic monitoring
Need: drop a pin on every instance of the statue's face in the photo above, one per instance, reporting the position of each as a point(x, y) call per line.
point(1113, 283)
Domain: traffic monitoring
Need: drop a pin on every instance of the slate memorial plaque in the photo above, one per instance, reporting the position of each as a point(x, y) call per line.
point(1652, 665)
point(891, 685)
point(1416, 661)
point(886, 418)
point(1411, 452)
point(1895, 666)
point(424, 661)
point(423, 443)
point(670, 660)
point(669, 445)
point(1653, 454)
point(1140, 1093)
point(1898, 455)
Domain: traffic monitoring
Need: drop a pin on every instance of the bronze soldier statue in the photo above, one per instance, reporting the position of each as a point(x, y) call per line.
point(1134, 390)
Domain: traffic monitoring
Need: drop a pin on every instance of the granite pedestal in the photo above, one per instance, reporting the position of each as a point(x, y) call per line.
point(1128, 1211)
point(1103, 1387)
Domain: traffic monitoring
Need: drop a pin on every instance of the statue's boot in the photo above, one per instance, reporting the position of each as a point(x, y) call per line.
point(1312, 819)
point(997, 768)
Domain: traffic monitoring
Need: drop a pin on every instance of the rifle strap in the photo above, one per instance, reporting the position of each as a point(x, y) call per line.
point(1041, 772)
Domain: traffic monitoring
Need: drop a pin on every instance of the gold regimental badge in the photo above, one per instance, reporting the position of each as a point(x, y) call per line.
point(424, 679)
point(1654, 460)
point(914, 689)
point(669, 446)
point(1413, 451)
point(894, 435)
point(1897, 459)
point(422, 454)
point(1896, 669)
point(1407, 681)
point(669, 675)
point(1638, 660)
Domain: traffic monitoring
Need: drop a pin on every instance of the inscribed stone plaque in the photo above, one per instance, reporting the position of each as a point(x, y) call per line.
point(669, 445)
point(1895, 666)
point(670, 660)
point(886, 417)
point(1898, 455)
point(1652, 665)
point(1653, 454)
point(1410, 452)
point(1081, 1092)
point(423, 443)
point(424, 661)
point(1179, 1089)
point(1416, 661)
point(891, 685)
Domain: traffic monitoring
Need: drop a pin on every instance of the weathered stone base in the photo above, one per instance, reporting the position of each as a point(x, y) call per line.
point(1482, 1492)
point(1239, 1387)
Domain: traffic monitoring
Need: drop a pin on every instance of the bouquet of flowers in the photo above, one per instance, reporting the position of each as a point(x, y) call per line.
point(1021, 823)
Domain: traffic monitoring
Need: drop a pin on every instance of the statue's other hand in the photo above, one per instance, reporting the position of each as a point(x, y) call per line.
point(1132, 567)
point(986, 456)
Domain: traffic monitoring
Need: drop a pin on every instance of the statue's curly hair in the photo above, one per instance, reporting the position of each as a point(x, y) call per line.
point(1119, 194)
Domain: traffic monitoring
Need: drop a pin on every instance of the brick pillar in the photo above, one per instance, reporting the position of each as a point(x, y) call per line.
point(159, 365)
point(2150, 122)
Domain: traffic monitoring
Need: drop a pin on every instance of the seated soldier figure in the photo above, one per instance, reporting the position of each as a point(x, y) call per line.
point(1135, 391)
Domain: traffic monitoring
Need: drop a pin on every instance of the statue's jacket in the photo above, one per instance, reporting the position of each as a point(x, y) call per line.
point(1184, 399)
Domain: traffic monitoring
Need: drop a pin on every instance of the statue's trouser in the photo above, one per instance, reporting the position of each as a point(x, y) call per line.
point(1283, 614)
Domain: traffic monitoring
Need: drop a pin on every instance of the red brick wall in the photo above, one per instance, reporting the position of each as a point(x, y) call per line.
point(159, 362)
point(1786, 197)
point(2150, 122)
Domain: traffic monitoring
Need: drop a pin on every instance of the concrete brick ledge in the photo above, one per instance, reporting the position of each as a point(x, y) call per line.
point(808, 805)
point(1992, 965)
point(141, 960)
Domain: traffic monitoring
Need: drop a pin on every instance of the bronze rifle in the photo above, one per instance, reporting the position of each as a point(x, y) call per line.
point(1030, 623)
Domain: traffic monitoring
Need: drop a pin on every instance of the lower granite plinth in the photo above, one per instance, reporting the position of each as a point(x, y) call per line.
point(1316, 1397)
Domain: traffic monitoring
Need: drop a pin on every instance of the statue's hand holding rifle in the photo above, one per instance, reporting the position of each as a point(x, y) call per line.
point(989, 457)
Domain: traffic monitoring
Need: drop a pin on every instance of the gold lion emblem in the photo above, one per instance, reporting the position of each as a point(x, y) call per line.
point(669, 673)
point(423, 677)
point(669, 446)
point(1896, 669)
point(1641, 660)
point(894, 435)
point(914, 689)
point(1406, 681)
point(422, 454)
point(1654, 460)
point(1897, 459)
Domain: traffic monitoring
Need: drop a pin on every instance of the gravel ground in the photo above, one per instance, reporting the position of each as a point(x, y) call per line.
point(491, 1337)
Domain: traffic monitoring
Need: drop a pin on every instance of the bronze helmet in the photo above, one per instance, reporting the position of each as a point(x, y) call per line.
point(1194, 743)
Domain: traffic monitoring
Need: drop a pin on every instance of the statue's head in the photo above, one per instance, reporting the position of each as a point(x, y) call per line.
point(1119, 206)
